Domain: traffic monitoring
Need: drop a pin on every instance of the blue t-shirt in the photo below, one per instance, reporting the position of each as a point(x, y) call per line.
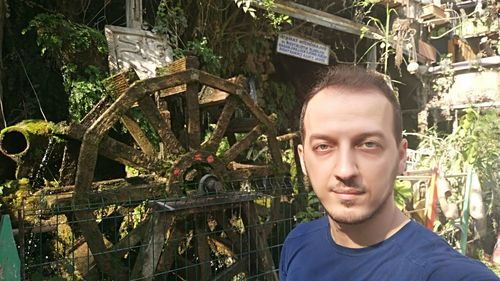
point(412, 254)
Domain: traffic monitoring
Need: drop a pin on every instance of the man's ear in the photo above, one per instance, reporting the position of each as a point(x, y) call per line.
point(300, 150)
point(403, 146)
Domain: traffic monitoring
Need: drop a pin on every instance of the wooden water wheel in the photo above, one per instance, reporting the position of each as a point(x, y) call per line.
point(200, 220)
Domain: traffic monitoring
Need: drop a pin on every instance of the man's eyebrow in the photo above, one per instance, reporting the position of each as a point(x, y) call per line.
point(320, 136)
point(368, 134)
point(364, 135)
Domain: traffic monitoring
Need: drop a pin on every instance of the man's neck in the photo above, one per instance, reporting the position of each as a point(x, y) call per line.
point(375, 230)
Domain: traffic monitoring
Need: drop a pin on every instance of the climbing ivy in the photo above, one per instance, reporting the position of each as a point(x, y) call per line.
point(80, 54)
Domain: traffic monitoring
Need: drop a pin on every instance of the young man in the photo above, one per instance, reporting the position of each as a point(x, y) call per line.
point(352, 150)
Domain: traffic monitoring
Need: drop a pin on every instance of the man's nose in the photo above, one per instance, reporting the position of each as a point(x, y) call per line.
point(345, 167)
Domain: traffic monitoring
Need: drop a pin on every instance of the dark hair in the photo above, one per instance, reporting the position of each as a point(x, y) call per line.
point(355, 77)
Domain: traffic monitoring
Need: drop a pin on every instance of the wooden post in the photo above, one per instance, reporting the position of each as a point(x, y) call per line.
point(134, 13)
point(190, 91)
point(193, 108)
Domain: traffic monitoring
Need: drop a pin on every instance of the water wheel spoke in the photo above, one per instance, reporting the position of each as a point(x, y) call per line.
point(170, 142)
point(252, 106)
point(129, 156)
point(151, 249)
point(193, 115)
point(174, 236)
point(115, 150)
point(133, 238)
point(117, 85)
point(242, 145)
point(238, 171)
point(222, 123)
point(120, 248)
point(69, 162)
point(275, 151)
point(232, 234)
point(96, 111)
point(203, 249)
point(259, 243)
point(219, 83)
point(137, 134)
point(105, 261)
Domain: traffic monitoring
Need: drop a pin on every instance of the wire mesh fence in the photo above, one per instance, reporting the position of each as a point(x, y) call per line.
point(231, 232)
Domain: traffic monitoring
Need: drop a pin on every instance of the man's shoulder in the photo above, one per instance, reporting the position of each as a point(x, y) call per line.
point(308, 228)
point(461, 268)
point(439, 260)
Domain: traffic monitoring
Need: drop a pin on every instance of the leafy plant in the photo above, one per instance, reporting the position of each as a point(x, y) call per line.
point(63, 39)
point(402, 193)
point(312, 211)
point(79, 52)
point(84, 90)
point(171, 21)
point(469, 145)
point(442, 83)
point(276, 19)
point(384, 42)
point(245, 5)
point(208, 59)
point(224, 143)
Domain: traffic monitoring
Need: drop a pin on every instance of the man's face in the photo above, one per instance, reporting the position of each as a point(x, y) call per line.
point(350, 154)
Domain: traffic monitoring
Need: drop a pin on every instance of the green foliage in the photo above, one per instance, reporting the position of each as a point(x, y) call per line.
point(61, 38)
point(5, 186)
point(276, 20)
point(79, 52)
point(471, 144)
point(12, 192)
point(312, 210)
point(84, 90)
point(151, 134)
point(223, 145)
point(402, 193)
point(442, 83)
point(208, 59)
point(245, 5)
point(171, 21)
point(383, 27)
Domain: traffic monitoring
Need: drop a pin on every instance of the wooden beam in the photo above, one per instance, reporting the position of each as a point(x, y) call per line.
point(328, 20)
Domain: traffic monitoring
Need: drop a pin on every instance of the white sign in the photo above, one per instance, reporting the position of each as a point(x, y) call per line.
point(303, 49)
point(139, 49)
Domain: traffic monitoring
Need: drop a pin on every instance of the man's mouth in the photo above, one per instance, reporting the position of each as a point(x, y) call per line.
point(353, 191)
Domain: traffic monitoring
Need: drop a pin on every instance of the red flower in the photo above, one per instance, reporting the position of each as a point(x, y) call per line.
point(210, 159)
point(177, 172)
point(197, 157)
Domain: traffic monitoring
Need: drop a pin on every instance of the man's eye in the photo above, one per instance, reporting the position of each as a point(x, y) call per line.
point(369, 145)
point(322, 147)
